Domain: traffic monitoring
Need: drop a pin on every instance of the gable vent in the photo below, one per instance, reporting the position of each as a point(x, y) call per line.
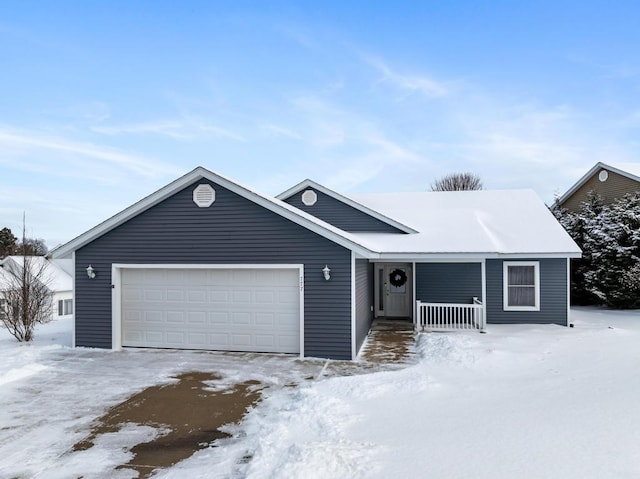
point(603, 175)
point(309, 197)
point(204, 195)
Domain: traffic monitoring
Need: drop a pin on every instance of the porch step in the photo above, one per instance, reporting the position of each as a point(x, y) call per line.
point(383, 324)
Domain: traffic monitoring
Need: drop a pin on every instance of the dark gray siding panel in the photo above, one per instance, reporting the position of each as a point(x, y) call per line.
point(232, 230)
point(448, 282)
point(553, 294)
point(364, 300)
point(341, 215)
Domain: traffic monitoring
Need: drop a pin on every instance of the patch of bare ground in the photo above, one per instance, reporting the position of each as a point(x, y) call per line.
point(389, 342)
point(189, 411)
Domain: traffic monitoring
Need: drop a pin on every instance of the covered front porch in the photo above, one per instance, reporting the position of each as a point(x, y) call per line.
point(434, 296)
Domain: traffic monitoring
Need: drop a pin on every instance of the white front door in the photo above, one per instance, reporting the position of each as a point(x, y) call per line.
point(394, 290)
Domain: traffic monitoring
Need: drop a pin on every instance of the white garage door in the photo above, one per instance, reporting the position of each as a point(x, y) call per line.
point(215, 309)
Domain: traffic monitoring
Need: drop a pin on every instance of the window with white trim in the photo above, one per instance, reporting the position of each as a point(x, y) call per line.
point(521, 281)
point(65, 307)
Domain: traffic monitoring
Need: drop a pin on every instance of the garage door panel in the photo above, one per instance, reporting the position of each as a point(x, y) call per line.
point(241, 318)
point(175, 295)
point(265, 297)
point(224, 309)
point(176, 337)
point(217, 296)
point(196, 317)
point(265, 319)
point(219, 317)
point(153, 317)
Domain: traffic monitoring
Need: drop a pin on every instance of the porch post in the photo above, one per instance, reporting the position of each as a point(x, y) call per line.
point(483, 274)
point(413, 293)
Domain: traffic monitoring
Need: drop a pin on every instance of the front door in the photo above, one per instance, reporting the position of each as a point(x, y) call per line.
point(394, 290)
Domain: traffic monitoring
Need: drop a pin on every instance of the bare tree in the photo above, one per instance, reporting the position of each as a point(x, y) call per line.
point(25, 296)
point(33, 247)
point(458, 182)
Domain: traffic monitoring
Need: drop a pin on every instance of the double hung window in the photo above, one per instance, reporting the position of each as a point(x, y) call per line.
point(521, 285)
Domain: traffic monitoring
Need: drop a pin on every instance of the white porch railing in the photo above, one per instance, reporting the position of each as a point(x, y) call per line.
point(449, 316)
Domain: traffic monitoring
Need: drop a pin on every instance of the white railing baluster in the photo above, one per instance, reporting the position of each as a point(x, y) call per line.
point(449, 316)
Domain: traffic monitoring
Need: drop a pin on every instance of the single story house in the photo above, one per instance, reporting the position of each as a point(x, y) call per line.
point(206, 263)
point(610, 182)
point(51, 273)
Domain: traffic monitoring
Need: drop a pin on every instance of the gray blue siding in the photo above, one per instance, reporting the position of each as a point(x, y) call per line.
point(364, 300)
point(553, 294)
point(448, 282)
point(341, 215)
point(232, 230)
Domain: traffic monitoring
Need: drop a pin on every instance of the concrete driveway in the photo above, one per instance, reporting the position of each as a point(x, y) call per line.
point(96, 413)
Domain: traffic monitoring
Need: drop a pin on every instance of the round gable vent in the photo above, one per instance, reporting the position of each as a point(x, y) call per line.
point(204, 195)
point(603, 175)
point(309, 197)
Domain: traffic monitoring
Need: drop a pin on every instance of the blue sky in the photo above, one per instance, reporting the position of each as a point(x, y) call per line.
point(104, 102)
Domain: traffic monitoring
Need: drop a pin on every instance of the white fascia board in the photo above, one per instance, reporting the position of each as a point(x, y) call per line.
point(572, 254)
point(348, 201)
point(590, 173)
point(283, 209)
point(620, 172)
point(580, 182)
point(208, 266)
point(467, 257)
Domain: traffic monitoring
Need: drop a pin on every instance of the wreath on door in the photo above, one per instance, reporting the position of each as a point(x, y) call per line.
point(397, 277)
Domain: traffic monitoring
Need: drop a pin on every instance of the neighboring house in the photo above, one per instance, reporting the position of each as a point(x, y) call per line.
point(57, 280)
point(205, 263)
point(4, 281)
point(610, 182)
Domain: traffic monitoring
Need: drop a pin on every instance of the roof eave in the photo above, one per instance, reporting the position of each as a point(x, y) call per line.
point(281, 208)
point(589, 174)
point(348, 201)
point(475, 256)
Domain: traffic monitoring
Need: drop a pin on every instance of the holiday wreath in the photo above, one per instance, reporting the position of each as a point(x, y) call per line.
point(397, 277)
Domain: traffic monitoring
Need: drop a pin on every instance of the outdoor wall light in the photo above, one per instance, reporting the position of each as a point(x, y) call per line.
point(326, 272)
point(91, 272)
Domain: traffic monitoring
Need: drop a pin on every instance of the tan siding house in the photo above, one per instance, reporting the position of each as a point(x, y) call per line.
point(607, 181)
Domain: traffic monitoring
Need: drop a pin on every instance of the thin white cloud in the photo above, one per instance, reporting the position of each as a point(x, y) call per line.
point(280, 131)
point(171, 129)
point(184, 129)
point(408, 82)
point(224, 132)
point(34, 141)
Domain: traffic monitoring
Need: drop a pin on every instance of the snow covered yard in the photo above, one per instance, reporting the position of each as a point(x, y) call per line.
point(520, 401)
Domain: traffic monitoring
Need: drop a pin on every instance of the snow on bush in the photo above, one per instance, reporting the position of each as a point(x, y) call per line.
point(609, 235)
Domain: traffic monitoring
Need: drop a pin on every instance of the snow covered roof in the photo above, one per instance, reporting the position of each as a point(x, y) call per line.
point(56, 279)
point(500, 222)
point(474, 224)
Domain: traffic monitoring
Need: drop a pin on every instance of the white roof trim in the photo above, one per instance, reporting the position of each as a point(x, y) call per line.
point(283, 209)
point(590, 173)
point(436, 257)
point(348, 201)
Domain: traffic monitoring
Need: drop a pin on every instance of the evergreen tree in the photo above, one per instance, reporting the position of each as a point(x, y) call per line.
point(7, 242)
point(609, 236)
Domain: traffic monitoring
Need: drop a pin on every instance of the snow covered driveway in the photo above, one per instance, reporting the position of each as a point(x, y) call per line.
point(50, 394)
point(520, 401)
